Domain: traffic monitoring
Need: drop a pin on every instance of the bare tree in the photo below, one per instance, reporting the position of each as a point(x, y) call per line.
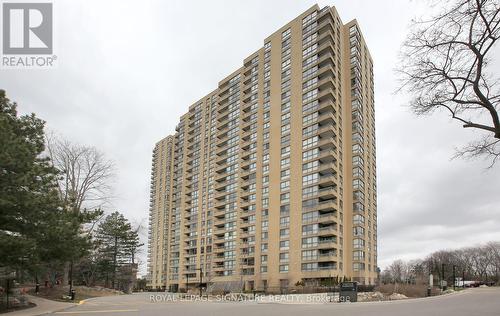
point(86, 174)
point(444, 65)
point(85, 180)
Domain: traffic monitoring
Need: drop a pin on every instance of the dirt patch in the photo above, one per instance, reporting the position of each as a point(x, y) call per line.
point(408, 290)
point(58, 293)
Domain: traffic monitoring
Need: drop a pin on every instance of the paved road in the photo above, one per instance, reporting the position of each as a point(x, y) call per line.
point(480, 302)
point(43, 306)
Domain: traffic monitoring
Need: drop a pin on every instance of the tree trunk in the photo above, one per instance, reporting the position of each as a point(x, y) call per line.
point(65, 280)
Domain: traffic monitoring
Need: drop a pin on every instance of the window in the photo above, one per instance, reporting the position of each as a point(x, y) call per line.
point(311, 49)
point(310, 179)
point(313, 266)
point(357, 161)
point(285, 174)
point(309, 83)
point(310, 72)
point(309, 96)
point(285, 140)
point(285, 151)
point(265, 169)
point(265, 180)
point(358, 255)
point(308, 40)
point(265, 225)
point(358, 243)
point(285, 84)
point(286, 34)
point(309, 18)
point(265, 158)
point(310, 60)
point(310, 217)
point(284, 221)
point(310, 154)
point(284, 245)
point(284, 268)
point(358, 206)
point(285, 53)
point(263, 269)
point(265, 190)
point(309, 254)
point(285, 163)
point(284, 257)
point(359, 231)
point(311, 118)
point(358, 219)
point(285, 197)
point(309, 191)
point(358, 184)
point(285, 232)
point(309, 242)
point(264, 235)
point(285, 129)
point(285, 185)
point(284, 210)
point(309, 229)
point(285, 107)
point(310, 166)
point(358, 266)
point(285, 118)
point(309, 131)
point(285, 64)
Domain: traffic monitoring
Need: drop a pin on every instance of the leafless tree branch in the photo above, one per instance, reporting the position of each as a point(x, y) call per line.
point(444, 65)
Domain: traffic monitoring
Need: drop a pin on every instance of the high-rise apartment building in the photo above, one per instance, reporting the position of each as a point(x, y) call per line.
point(271, 178)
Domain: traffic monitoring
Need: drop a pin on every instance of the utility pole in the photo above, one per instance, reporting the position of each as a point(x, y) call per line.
point(187, 282)
point(454, 267)
point(463, 278)
point(71, 277)
point(442, 276)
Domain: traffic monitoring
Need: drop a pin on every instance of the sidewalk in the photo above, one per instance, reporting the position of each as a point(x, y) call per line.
point(43, 306)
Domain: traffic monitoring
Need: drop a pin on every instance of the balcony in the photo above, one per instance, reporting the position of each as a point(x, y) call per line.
point(326, 131)
point(327, 230)
point(328, 180)
point(220, 204)
point(326, 70)
point(327, 118)
point(220, 194)
point(219, 230)
point(327, 155)
point(326, 143)
point(328, 192)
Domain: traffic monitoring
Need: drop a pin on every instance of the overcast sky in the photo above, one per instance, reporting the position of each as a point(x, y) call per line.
point(127, 70)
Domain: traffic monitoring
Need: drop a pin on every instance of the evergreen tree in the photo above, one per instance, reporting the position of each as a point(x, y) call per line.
point(28, 195)
point(118, 243)
point(36, 230)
